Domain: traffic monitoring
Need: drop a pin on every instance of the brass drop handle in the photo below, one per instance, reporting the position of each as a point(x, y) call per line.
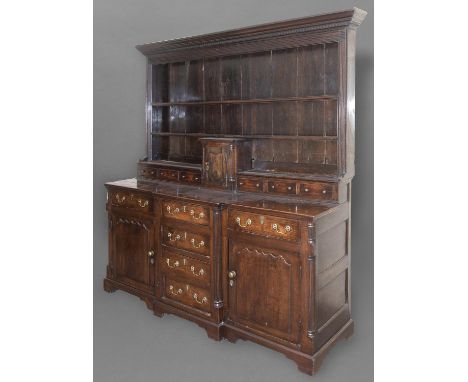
point(150, 253)
point(142, 203)
point(199, 245)
point(201, 272)
point(169, 235)
point(172, 212)
point(276, 228)
point(201, 215)
point(120, 200)
point(232, 275)
point(247, 222)
point(176, 263)
point(174, 291)
point(202, 301)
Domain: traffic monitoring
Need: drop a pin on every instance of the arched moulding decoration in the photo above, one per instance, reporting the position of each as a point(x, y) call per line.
point(256, 251)
point(131, 221)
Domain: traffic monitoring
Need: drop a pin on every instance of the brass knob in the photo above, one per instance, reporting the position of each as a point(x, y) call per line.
point(232, 274)
point(324, 191)
point(150, 253)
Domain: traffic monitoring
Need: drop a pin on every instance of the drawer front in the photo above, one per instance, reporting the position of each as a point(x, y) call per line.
point(183, 239)
point(148, 172)
point(282, 187)
point(186, 212)
point(130, 200)
point(318, 190)
point(190, 177)
point(175, 265)
point(250, 184)
point(187, 294)
point(264, 225)
point(168, 174)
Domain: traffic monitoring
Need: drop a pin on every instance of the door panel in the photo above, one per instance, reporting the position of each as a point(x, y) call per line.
point(216, 166)
point(264, 294)
point(132, 239)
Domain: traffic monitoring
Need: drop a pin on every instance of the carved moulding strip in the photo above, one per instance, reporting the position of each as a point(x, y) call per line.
point(266, 254)
point(139, 223)
point(311, 259)
point(216, 242)
point(325, 22)
point(293, 41)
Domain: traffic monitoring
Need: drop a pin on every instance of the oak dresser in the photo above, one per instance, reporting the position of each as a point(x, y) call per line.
point(239, 217)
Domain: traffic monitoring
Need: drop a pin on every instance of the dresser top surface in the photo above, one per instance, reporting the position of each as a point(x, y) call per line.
point(242, 199)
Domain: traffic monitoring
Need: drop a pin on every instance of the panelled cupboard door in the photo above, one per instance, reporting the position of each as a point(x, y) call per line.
point(264, 290)
point(133, 251)
point(216, 165)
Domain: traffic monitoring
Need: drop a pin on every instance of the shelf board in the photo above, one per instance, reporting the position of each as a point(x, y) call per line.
point(246, 101)
point(293, 137)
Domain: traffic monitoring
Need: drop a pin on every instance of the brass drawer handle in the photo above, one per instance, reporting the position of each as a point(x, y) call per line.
point(176, 263)
point(201, 272)
point(202, 301)
point(201, 215)
point(199, 245)
point(169, 235)
point(120, 200)
point(142, 203)
point(172, 212)
point(178, 291)
point(150, 253)
point(277, 229)
point(247, 222)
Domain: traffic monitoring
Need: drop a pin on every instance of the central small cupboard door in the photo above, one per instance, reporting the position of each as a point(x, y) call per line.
point(216, 165)
point(264, 290)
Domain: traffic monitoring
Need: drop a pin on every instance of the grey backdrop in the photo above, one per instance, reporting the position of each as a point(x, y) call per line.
point(132, 345)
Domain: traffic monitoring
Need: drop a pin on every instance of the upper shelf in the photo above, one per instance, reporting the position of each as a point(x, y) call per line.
point(242, 101)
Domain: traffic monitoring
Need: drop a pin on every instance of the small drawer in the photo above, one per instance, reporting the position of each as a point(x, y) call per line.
point(282, 187)
point(190, 177)
point(187, 294)
point(124, 199)
point(319, 190)
point(187, 212)
point(168, 174)
point(182, 239)
point(264, 225)
point(250, 184)
point(148, 172)
point(194, 270)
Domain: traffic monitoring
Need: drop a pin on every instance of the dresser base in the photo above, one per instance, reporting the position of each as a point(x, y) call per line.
point(110, 286)
point(213, 330)
point(308, 364)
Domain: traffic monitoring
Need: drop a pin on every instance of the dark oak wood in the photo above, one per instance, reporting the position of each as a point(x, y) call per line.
point(239, 218)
